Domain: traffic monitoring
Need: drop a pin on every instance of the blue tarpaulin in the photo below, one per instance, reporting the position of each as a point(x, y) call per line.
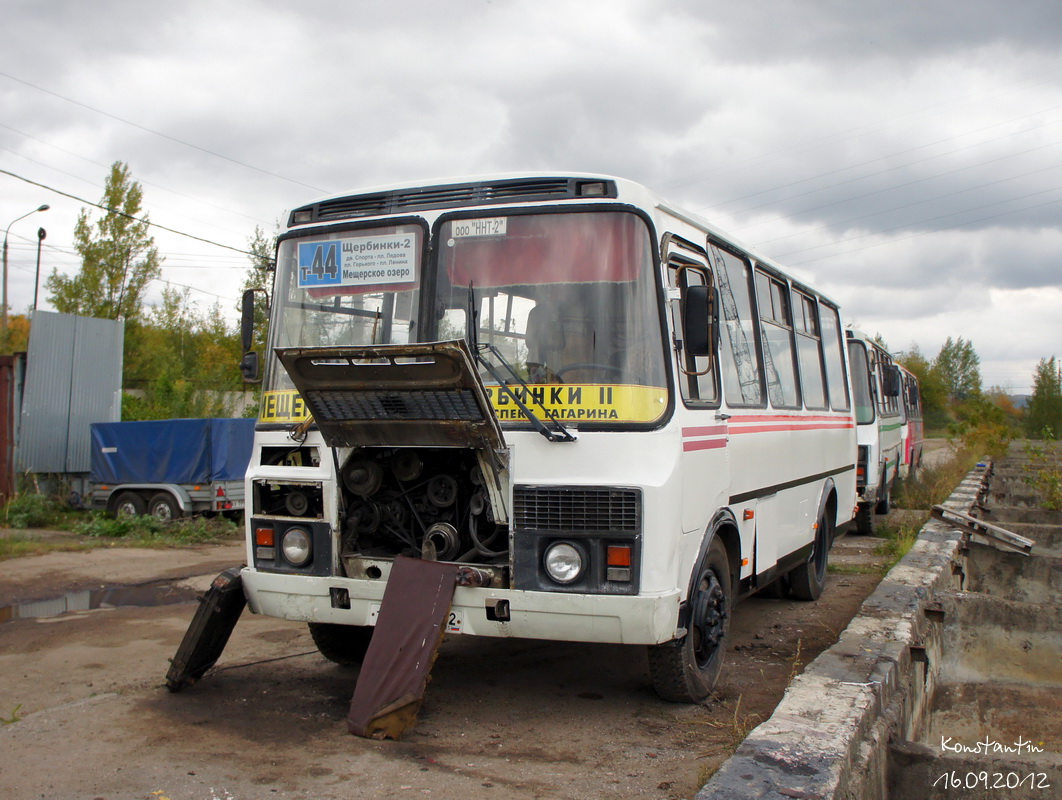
point(171, 450)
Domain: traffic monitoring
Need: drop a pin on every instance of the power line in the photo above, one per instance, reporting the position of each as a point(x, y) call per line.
point(127, 216)
point(108, 166)
point(162, 135)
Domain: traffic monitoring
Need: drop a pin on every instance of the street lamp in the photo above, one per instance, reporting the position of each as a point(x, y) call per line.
point(3, 323)
point(41, 233)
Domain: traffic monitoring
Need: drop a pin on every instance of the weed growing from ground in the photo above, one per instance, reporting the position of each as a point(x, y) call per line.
point(147, 530)
point(1042, 473)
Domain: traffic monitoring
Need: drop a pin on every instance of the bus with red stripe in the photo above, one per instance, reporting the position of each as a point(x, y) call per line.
point(620, 419)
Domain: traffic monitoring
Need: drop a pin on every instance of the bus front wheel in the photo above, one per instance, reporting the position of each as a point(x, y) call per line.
point(345, 645)
point(684, 671)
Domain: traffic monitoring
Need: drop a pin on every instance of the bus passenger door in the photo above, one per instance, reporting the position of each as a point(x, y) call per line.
point(704, 464)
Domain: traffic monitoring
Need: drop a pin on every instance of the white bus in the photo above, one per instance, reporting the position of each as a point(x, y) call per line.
point(623, 418)
point(876, 385)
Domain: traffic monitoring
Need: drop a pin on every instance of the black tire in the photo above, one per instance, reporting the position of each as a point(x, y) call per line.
point(164, 507)
point(884, 505)
point(685, 671)
point(345, 645)
point(128, 504)
point(865, 525)
point(778, 589)
point(807, 580)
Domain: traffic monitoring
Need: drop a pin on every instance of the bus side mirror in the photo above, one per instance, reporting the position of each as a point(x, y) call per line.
point(892, 381)
point(249, 366)
point(697, 327)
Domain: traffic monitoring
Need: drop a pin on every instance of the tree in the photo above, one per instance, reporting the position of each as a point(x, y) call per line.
point(260, 277)
point(959, 368)
point(1043, 415)
point(183, 363)
point(118, 257)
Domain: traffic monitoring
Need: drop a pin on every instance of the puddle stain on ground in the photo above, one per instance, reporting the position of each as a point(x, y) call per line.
point(141, 595)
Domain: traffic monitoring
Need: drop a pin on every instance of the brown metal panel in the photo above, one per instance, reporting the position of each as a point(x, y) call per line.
point(7, 426)
point(404, 645)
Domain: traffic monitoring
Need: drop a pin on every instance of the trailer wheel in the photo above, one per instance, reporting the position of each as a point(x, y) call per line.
point(164, 507)
point(129, 504)
point(684, 671)
point(807, 580)
point(345, 645)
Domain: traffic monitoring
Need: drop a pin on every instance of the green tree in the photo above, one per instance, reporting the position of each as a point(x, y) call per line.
point(959, 369)
point(118, 256)
point(1043, 415)
point(260, 277)
point(180, 362)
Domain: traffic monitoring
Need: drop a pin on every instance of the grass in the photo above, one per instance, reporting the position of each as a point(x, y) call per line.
point(21, 544)
point(148, 531)
point(1044, 476)
point(899, 538)
point(95, 529)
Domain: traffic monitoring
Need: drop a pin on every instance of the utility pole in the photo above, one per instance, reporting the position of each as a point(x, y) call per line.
point(3, 313)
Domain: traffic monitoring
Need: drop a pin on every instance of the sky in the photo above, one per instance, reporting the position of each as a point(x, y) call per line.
point(904, 157)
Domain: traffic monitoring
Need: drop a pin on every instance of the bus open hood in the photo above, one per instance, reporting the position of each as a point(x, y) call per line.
point(397, 395)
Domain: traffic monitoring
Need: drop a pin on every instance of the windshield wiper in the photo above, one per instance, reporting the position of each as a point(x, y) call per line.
point(559, 432)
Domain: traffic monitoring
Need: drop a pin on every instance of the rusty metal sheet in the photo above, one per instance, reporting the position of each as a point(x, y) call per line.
point(397, 666)
point(398, 395)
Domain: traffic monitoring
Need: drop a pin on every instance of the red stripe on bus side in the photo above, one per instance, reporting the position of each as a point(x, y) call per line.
point(703, 444)
point(711, 430)
point(780, 427)
point(789, 418)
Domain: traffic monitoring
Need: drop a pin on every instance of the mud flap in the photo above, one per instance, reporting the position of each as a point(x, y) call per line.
point(397, 666)
point(219, 609)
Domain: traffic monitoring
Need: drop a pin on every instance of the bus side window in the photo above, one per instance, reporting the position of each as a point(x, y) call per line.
point(776, 327)
point(742, 373)
point(698, 379)
point(809, 351)
point(832, 344)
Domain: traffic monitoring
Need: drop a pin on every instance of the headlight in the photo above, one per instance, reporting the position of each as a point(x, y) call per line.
point(296, 546)
point(564, 562)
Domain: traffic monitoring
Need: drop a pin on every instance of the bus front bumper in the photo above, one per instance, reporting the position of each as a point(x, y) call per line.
point(641, 619)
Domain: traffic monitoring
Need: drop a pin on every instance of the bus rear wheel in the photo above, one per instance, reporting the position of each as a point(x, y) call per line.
point(807, 581)
point(685, 671)
point(345, 645)
point(865, 524)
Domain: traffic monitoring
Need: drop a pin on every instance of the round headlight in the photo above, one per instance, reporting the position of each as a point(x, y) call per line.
point(564, 562)
point(296, 546)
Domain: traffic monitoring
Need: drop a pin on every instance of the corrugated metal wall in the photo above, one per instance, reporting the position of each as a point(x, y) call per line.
point(73, 378)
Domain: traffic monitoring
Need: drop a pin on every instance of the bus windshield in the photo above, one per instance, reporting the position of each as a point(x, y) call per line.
point(351, 287)
point(568, 300)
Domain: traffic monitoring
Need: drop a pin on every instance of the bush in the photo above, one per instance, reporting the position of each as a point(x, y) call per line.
point(32, 511)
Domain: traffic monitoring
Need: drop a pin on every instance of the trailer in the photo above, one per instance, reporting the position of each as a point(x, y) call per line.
point(170, 468)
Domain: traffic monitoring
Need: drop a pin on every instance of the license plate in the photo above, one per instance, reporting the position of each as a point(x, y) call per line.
point(454, 622)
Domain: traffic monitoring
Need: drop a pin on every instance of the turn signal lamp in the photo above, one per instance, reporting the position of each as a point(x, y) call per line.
point(619, 555)
point(264, 537)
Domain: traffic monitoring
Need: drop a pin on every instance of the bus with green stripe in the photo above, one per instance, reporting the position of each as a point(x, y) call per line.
point(876, 390)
